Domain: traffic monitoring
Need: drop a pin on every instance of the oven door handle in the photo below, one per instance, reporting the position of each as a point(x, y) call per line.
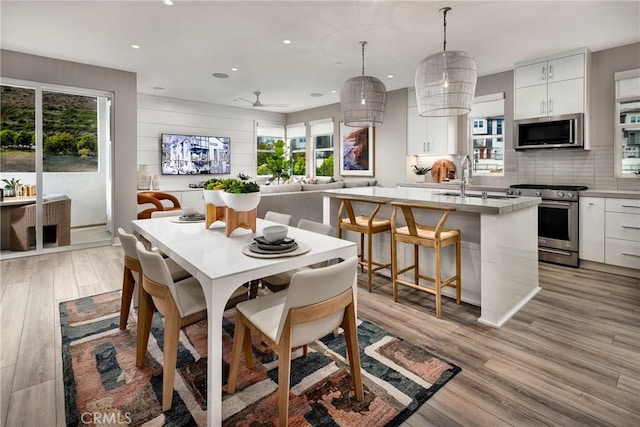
point(554, 251)
point(550, 202)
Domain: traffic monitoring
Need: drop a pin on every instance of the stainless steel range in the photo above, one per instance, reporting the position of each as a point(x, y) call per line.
point(558, 217)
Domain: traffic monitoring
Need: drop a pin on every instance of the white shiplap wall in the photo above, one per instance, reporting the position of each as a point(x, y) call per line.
point(157, 115)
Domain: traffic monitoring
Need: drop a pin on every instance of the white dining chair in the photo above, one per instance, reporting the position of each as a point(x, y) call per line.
point(131, 266)
point(280, 281)
point(317, 302)
point(278, 217)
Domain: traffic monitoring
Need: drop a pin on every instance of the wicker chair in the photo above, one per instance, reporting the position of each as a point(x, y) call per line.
point(55, 213)
point(156, 198)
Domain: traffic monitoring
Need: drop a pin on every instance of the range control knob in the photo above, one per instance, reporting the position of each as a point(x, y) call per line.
point(570, 195)
point(518, 192)
point(538, 193)
point(509, 191)
point(560, 194)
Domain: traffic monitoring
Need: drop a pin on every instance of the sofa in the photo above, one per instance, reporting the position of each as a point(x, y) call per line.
point(302, 200)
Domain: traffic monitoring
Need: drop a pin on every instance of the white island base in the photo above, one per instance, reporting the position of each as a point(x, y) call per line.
point(508, 263)
point(499, 246)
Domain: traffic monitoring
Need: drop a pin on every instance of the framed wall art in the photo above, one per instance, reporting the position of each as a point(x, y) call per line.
point(357, 148)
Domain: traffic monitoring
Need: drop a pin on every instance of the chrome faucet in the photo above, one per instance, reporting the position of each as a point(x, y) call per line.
point(465, 165)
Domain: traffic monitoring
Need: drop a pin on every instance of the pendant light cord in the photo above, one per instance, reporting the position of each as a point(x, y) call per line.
point(444, 11)
point(362, 100)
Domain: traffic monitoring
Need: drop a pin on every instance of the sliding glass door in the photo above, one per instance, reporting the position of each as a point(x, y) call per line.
point(55, 155)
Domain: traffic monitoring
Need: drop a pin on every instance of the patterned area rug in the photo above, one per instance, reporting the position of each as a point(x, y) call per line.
point(103, 385)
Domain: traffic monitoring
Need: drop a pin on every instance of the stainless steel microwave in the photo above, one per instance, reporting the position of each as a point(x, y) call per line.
point(549, 132)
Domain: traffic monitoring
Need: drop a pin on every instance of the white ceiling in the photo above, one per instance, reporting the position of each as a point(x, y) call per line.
point(182, 45)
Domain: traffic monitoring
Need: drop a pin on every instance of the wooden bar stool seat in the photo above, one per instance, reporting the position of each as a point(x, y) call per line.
point(365, 225)
point(417, 235)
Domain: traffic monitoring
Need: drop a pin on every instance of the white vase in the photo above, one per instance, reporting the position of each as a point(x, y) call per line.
point(214, 197)
point(155, 182)
point(144, 177)
point(420, 178)
point(241, 202)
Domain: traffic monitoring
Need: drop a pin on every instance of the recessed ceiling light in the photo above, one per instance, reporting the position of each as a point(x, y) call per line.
point(337, 63)
point(135, 46)
point(220, 75)
point(287, 41)
point(158, 88)
point(316, 94)
point(334, 91)
point(234, 69)
point(167, 2)
point(390, 76)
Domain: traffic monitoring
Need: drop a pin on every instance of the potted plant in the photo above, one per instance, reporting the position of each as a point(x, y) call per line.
point(239, 195)
point(211, 190)
point(420, 171)
point(277, 163)
point(10, 187)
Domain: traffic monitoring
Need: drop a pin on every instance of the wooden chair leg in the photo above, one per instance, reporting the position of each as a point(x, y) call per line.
point(362, 260)
point(438, 284)
point(458, 271)
point(394, 268)
point(284, 373)
point(171, 343)
point(351, 336)
point(416, 268)
point(238, 341)
point(369, 250)
point(128, 283)
point(248, 349)
point(145, 315)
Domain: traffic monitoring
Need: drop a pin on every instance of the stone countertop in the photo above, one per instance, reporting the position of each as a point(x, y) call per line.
point(454, 186)
point(617, 194)
point(436, 198)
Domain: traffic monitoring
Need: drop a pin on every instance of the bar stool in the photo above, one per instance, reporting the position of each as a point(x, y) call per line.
point(363, 224)
point(437, 238)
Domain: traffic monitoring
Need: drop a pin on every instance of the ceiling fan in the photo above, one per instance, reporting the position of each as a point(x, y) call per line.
point(257, 102)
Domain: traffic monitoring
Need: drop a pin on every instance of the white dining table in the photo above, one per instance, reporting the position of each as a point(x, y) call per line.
point(221, 267)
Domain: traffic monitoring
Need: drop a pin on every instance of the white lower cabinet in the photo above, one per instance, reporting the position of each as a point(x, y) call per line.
point(610, 231)
point(591, 236)
point(622, 232)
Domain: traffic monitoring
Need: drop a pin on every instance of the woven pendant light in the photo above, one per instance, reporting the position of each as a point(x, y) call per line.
point(362, 99)
point(446, 81)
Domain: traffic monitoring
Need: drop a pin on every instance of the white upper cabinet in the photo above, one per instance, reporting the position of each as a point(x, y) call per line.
point(432, 135)
point(552, 86)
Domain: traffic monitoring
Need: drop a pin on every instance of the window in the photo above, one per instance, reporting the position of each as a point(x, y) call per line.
point(322, 138)
point(627, 129)
point(267, 135)
point(486, 121)
point(297, 146)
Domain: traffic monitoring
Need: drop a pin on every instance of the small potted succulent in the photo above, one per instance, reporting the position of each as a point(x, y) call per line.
point(420, 172)
point(239, 195)
point(10, 187)
point(211, 190)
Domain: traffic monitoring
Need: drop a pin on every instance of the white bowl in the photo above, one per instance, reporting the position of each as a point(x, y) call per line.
point(213, 197)
point(275, 233)
point(242, 202)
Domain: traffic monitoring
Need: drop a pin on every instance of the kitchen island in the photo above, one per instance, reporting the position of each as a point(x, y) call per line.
point(499, 243)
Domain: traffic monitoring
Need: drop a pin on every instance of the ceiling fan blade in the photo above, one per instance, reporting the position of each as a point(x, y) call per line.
point(246, 100)
point(274, 105)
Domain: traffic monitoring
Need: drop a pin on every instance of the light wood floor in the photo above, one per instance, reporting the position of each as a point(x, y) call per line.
point(570, 357)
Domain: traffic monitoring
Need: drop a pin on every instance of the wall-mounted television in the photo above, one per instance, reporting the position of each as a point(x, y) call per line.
point(195, 154)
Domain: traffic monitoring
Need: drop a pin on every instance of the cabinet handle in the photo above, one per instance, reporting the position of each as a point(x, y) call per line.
point(591, 203)
point(634, 255)
point(630, 206)
point(543, 74)
point(428, 147)
point(551, 107)
point(424, 147)
point(542, 107)
point(631, 227)
point(550, 72)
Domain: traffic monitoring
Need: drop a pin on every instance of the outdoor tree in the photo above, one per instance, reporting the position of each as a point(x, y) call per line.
point(61, 143)
point(326, 168)
point(7, 138)
point(24, 140)
point(88, 143)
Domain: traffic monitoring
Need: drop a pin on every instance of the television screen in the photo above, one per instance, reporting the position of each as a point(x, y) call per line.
point(195, 155)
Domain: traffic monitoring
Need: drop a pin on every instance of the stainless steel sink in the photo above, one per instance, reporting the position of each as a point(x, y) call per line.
point(478, 196)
